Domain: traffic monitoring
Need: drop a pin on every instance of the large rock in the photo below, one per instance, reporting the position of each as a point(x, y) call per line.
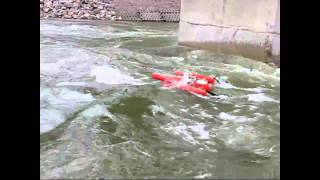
point(67, 16)
point(86, 15)
point(96, 11)
point(57, 6)
point(70, 13)
point(75, 5)
point(48, 4)
point(46, 10)
point(69, 5)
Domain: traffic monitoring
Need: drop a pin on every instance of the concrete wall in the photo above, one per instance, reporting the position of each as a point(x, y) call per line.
point(250, 28)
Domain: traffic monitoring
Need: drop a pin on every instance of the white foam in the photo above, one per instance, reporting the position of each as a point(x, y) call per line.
point(184, 80)
point(225, 85)
point(252, 107)
point(203, 175)
point(196, 106)
point(222, 97)
point(182, 131)
point(257, 73)
point(57, 104)
point(109, 75)
point(71, 84)
point(72, 30)
point(183, 110)
point(240, 137)
point(204, 114)
point(155, 109)
point(200, 130)
point(64, 99)
point(186, 132)
point(229, 117)
point(236, 110)
point(260, 97)
point(95, 111)
point(49, 119)
point(257, 89)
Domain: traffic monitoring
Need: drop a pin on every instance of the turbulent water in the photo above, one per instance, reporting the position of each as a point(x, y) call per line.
point(102, 115)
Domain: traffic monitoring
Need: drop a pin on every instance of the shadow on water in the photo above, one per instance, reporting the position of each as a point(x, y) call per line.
point(134, 108)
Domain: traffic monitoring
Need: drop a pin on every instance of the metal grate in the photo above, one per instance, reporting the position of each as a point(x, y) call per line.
point(148, 15)
point(147, 10)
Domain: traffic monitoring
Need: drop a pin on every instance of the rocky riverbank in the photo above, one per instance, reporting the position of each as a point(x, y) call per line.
point(78, 9)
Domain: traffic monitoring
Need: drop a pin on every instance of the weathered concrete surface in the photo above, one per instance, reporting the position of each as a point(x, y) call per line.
point(248, 28)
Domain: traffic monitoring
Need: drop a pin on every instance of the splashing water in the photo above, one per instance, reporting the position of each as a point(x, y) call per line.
point(178, 84)
point(185, 79)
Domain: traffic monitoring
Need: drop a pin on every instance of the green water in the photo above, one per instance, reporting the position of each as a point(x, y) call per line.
point(102, 116)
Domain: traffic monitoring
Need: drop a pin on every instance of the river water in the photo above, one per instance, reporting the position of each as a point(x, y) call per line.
point(102, 115)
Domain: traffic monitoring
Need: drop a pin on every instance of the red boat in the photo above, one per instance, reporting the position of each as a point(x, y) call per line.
point(196, 83)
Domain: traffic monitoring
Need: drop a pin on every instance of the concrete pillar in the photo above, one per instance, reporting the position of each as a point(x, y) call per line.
point(250, 28)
